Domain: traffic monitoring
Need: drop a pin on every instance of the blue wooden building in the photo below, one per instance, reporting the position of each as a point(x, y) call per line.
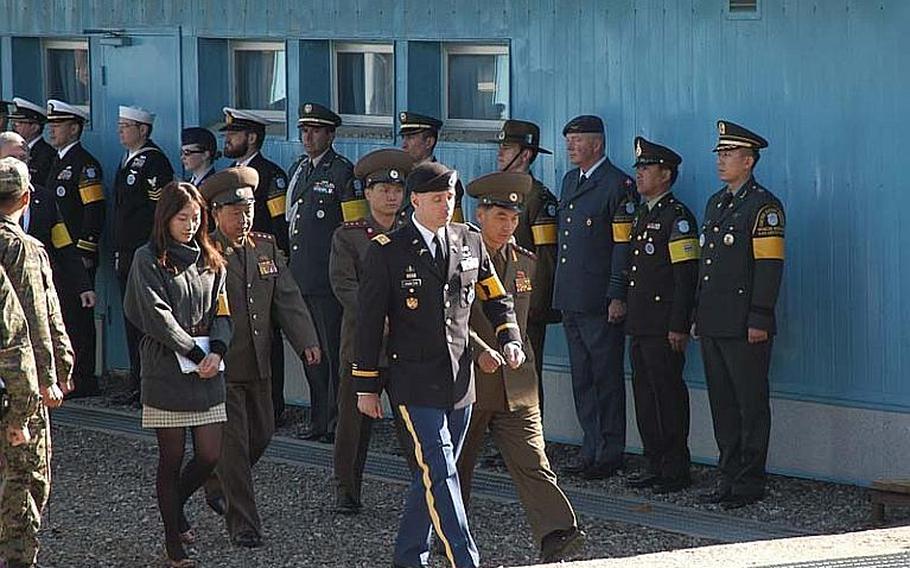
point(824, 80)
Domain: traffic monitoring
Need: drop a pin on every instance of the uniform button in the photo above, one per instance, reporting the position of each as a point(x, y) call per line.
point(566, 233)
point(449, 338)
point(565, 246)
point(562, 260)
point(255, 332)
point(448, 304)
point(656, 298)
point(638, 238)
point(445, 288)
point(571, 206)
point(296, 231)
point(632, 283)
point(707, 277)
point(711, 245)
point(634, 268)
point(740, 291)
point(568, 219)
point(636, 252)
point(251, 300)
point(394, 355)
point(298, 215)
point(249, 285)
point(708, 261)
point(716, 229)
point(448, 321)
point(255, 316)
point(294, 247)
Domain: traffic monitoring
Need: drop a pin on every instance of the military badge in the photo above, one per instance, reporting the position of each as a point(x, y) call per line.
point(279, 183)
point(588, 221)
point(139, 161)
point(393, 174)
point(630, 208)
point(153, 181)
point(403, 116)
point(649, 248)
point(411, 303)
point(773, 219)
point(721, 127)
point(411, 283)
point(682, 226)
point(522, 282)
point(654, 226)
point(513, 197)
point(130, 179)
point(267, 267)
point(90, 173)
point(501, 135)
point(551, 210)
point(638, 148)
point(320, 213)
point(61, 191)
point(308, 108)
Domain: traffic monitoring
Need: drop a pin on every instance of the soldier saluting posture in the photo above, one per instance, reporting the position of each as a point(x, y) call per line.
point(742, 242)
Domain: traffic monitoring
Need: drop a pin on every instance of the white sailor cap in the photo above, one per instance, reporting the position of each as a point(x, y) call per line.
point(58, 111)
point(236, 119)
point(136, 114)
point(27, 110)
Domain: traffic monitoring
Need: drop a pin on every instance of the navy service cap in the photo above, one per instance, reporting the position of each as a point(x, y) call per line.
point(647, 153)
point(584, 124)
point(385, 165)
point(430, 177)
point(28, 111)
point(504, 189)
point(60, 111)
point(238, 120)
point(230, 186)
point(199, 136)
point(731, 136)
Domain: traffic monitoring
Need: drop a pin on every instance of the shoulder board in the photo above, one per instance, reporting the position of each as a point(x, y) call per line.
point(262, 236)
point(471, 226)
point(521, 250)
point(382, 239)
point(358, 224)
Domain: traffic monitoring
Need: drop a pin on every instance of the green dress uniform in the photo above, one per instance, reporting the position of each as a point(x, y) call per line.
point(323, 195)
point(76, 180)
point(537, 232)
point(28, 475)
point(663, 272)
point(349, 245)
point(742, 242)
point(262, 295)
point(507, 400)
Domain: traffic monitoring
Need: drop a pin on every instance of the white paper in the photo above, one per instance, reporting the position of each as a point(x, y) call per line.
point(187, 366)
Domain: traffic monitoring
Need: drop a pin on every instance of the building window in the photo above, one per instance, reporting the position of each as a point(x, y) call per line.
point(365, 82)
point(67, 73)
point(259, 78)
point(476, 84)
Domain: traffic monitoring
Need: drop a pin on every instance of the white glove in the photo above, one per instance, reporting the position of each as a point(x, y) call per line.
point(513, 354)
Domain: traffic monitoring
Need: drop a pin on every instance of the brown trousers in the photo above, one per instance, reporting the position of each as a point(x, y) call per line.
point(519, 436)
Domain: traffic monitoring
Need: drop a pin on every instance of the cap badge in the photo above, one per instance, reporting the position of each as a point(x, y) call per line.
point(228, 118)
point(403, 116)
point(529, 138)
point(453, 179)
point(638, 149)
point(308, 108)
point(393, 174)
point(501, 135)
point(721, 127)
point(513, 197)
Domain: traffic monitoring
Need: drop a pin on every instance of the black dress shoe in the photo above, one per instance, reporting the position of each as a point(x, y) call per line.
point(346, 504)
point(739, 501)
point(216, 503)
point(672, 485)
point(640, 481)
point(248, 540)
point(602, 471)
point(577, 467)
point(718, 495)
point(561, 544)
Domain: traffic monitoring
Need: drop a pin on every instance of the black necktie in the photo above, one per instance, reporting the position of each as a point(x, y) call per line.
point(440, 257)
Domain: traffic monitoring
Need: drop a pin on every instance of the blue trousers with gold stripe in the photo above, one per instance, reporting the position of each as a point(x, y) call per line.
point(434, 498)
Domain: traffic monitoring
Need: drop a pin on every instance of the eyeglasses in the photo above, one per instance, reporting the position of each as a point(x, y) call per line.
point(191, 152)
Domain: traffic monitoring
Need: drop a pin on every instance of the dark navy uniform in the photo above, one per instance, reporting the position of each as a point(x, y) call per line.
point(270, 200)
point(742, 241)
point(430, 376)
point(322, 196)
point(41, 159)
point(595, 219)
point(45, 223)
point(663, 272)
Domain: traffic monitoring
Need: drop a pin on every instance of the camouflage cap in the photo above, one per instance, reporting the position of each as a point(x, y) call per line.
point(230, 186)
point(13, 177)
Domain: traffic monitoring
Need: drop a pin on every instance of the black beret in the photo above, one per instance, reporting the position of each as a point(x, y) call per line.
point(202, 137)
point(430, 177)
point(584, 124)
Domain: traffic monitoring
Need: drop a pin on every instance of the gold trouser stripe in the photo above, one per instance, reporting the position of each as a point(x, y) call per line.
point(60, 236)
point(458, 215)
point(544, 234)
point(768, 248)
point(87, 245)
point(223, 308)
point(490, 288)
point(683, 250)
point(91, 193)
point(431, 501)
point(506, 326)
point(354, 210)
point(622, 232)
point(276, 205)
point(365, 374)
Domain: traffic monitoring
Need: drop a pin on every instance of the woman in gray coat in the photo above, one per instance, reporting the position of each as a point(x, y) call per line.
point(176, 296)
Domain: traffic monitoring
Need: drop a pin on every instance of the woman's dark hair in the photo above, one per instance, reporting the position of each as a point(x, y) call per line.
point(174, 197)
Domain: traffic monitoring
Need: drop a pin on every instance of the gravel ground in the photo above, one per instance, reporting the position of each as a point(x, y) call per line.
point(103, 513)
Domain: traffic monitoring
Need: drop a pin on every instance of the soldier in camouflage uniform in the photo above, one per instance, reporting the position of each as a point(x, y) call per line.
point(26, 477)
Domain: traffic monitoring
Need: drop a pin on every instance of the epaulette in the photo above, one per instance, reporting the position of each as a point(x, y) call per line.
point(382, 239)
point(357, 224)
point(263, 236)
point(472, 226)
point(521, 250)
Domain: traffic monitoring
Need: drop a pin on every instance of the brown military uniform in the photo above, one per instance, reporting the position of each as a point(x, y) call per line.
point(261, 293)
point(507, 405)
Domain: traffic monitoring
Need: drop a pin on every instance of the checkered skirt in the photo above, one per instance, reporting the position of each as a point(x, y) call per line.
point(157, 418)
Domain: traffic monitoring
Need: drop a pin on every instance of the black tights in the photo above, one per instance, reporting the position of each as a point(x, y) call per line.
point(174, 486)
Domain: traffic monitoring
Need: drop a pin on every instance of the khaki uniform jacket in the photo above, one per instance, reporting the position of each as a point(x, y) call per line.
point(27, 265)
point(349, 245)
point(507, 389)
point(261, 292)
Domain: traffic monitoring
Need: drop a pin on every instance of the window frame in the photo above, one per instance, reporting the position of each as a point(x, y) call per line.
point(274, 116)
point(361, 47)
point(472, 49)
point(70, 44)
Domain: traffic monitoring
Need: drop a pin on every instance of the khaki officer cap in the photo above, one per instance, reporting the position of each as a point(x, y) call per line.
point(386, 165)
point(230, 186)
point(503, 189)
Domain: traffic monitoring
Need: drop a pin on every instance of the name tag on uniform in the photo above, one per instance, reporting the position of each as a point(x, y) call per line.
point(411, 283)
point(267, 267)
point(469, 264)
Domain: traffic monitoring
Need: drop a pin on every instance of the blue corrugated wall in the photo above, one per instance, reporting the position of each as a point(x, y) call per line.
point(825, 81)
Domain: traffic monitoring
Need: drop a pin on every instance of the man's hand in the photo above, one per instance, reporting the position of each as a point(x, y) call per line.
point(616, 311)
point(208, 367)
point(88, 299)
point(369, 404)
point(312, 355)
point(51, 396)
point(67, 386)
point(513, 354)
point(17, 436)
point(678, 341)
point(489, 361)
point(757, 335)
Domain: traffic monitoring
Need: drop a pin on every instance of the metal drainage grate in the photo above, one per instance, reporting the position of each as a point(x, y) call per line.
point(900, 560)
point(662, 516)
